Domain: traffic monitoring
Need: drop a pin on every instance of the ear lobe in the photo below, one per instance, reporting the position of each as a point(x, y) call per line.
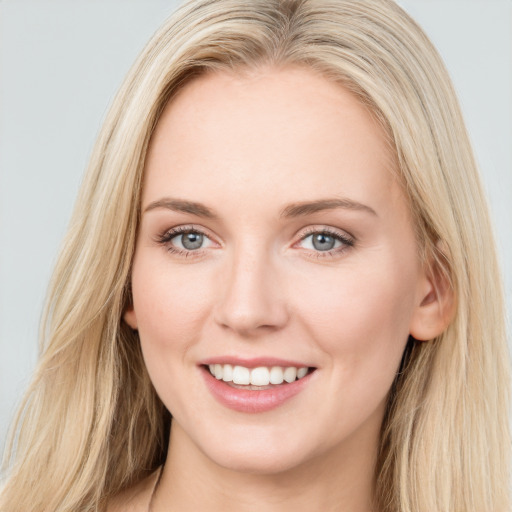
point(130, 317)
point(436, 306)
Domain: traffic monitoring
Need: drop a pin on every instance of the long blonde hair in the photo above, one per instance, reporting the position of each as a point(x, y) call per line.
point(91, 422)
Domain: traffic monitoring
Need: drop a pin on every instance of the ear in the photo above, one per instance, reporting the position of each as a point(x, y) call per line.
point(130, 317)
point(435, 304)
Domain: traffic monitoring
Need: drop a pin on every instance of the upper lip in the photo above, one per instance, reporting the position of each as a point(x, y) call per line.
point(253, 362)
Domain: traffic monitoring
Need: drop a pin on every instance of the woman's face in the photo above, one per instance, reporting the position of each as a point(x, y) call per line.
point(273, 236)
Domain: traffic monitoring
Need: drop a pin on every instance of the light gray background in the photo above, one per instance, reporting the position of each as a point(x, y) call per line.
point(61, 62)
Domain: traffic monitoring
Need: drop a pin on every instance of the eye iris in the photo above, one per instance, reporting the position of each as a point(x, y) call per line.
point(323, 242)
point(192, 240)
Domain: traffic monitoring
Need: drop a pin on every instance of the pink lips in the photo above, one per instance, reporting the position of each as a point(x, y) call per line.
point(247, 400)
point(253, 362)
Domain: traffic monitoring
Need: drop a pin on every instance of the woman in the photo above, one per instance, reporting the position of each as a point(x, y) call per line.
point(275, 243)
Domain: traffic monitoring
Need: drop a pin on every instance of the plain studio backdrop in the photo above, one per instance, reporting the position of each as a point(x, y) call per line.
point(61, 63)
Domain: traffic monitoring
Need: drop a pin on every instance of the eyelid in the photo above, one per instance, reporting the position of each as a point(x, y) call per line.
point(184, 228)
point(166, 236)
point(347, 240)
point(321, 228)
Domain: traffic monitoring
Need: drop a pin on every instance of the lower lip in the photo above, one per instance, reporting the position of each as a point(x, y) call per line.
point(250, 400)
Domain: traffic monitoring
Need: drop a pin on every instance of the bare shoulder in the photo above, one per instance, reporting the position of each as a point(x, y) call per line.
point(135, 498)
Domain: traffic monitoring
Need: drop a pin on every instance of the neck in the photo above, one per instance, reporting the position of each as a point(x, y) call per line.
point(340, 480)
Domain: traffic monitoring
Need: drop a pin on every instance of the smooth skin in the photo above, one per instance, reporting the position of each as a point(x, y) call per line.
point(247, 149)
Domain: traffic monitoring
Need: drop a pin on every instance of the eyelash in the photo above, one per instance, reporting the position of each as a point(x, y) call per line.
point(165, 239)
point(346, 240)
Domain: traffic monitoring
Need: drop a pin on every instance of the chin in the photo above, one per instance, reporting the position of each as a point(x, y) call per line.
point(260, 464)
point(258, 454)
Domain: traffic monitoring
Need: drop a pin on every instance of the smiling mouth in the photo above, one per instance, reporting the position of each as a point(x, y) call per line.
point(260, 378)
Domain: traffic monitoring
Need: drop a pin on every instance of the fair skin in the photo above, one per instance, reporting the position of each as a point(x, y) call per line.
point(336, 287)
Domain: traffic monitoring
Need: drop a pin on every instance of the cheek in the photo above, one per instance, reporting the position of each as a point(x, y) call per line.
point(171, 308)
point(360, 322)
point(360, 317)
point(169, 305)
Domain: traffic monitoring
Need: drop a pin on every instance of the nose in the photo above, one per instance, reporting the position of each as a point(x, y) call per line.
point(251, 295)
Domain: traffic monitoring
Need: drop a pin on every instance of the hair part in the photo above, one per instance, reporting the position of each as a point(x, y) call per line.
point(91, 422)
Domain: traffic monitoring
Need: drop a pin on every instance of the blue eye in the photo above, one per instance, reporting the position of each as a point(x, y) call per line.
point(325, 241)
point(190, 241)
point(184, 240)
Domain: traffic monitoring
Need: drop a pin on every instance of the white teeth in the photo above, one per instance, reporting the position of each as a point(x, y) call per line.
point(276, 375)
point(290, 374)
point(261, 376)
point(241, 375)
point(301, 372)
point(227, 373)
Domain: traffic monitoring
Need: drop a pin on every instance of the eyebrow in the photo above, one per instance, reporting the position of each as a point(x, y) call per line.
point(309, 207)
point(292, 210)
point(179, 205)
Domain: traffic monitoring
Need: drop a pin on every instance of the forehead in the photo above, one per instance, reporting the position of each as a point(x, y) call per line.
point(279, 133)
